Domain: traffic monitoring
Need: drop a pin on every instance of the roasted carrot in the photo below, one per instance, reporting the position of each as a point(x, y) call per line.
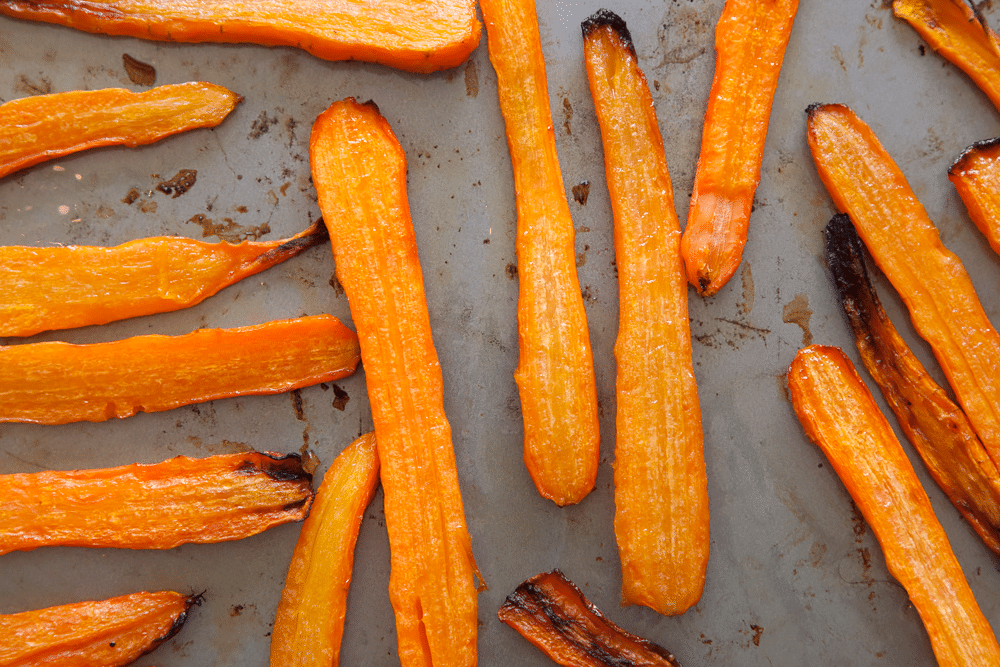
point(45, 127)
point(750, 41)
point(58, 383)
point(840, 415)
point(865, 183)
point(976, 177)
point(957, 31)
point(416, 36)
point(103, 633)
point(73, 286)
point(661, 489)
point(310, 620)
point(359, 170)
point(555, 371)
point(938, 429)
point(552, 613)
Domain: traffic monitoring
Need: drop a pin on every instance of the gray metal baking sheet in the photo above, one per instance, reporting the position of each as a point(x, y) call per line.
point(795, 577)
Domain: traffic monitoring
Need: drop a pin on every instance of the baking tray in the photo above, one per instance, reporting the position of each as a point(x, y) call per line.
point(794, 578)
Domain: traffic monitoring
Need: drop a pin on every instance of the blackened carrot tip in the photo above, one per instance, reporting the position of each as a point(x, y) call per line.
point(606, 17)
point(970, 152)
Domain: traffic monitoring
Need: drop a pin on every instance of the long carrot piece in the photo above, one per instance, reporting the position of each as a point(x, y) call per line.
point(63, 287)
point(555, 372)
point(976, 177)
point(104, 633)
point(359, 170)
point(840, 415)
point(44, 127)
point(661, 488)
point(417, 36)
point(866, 183)
point(310, 621)
point(750, 41)
point(58, 383)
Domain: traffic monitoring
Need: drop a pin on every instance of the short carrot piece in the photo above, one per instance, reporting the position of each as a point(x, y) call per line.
point(976, 177)
point(661, 487)
point(841, 417)
point(105, 633)
point(62, 287)
point(750, 41)
point(866, 183)
point(45, 127)
point(421, 36)
point(58, 383)
point(359, 170)
point(555, 371)
point(310, 620)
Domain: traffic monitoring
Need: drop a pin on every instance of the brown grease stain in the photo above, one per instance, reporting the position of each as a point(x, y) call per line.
point(228, 230)
point(581, 192)
point(471, 79)
point(261, 125)
point(139, 73)
point(511, 271)
point(297, 404)
point(568, 113)
point(797, 312)
point(130, 198)
point(748, 289)
point(181, 182)
point(340, 398)
point(27, 86)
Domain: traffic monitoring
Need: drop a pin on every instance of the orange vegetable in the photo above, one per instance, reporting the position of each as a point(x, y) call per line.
point(661, 489)
point(75, 286)
point(555, 372)
point(159, 506)
point(750, 42)
point(310, 620)
point(866, 184)
point(976, 177)
point(551, 612)
point(359, 170)
point(103, 633)
point(416, 36)
point(58, 383)
point(956, 31)
point(840, 415)
point(45, 127)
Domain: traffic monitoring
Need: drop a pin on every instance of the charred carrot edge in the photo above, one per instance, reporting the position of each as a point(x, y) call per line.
point(44, 289)
point(58, 383)
point(555, 372)
point(310, 620)
point(750, 41)
point(956, 31)
point(45, 127)
point(158, 506)
point(107, 632)
point(661, 488)
point(359, 170)
point(840, 415)
point(976, 175)
point(414, 36)
point(865, 183)
point(552, 613)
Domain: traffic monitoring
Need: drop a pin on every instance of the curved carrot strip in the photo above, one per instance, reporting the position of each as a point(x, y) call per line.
point(661, 488)
point(44, 127)
point(976, 177)
point(555, 372)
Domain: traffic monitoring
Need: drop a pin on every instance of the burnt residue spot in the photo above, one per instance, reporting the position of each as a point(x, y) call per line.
point(139, 73)
point(228, 229)
point(568, 113)
point(757, 632)
point(236, 610)
point(131, 197)
point(581, 191)
point(42, 86)
point(297, 404)
point(105, 212)
point(261, 125)
point(922, 49)
point(581, 259)
point(148, 206)
point(340, 398)
point(179, 184)
point(511, 271)
point(338, 289)
point(310, 462)
point(858, 522)
point(797, 311)
point(471, 79)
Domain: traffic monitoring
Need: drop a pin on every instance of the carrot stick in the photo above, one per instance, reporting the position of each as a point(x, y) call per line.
point(976, 177)
point(661, 489)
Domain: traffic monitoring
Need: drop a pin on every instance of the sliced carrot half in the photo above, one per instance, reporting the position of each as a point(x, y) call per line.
point(976, 177)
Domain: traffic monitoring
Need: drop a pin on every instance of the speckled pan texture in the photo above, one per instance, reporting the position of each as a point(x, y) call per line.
point(795, 576)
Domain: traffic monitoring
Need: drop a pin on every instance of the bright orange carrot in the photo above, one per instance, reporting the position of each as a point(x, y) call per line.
point(661, 488)
point(976, 177)
point(359, 170)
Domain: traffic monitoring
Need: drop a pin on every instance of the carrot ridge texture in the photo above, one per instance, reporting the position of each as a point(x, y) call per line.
point(841, 417)
point(555, 372)
point(661, 486)
point(359, 170)
point(750, 41)
point(976, 177)
point(45, 127)
point(421, 36)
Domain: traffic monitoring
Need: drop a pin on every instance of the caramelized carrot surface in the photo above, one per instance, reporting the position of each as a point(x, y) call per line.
point(866, 183)
point(359, 170)
point(661, 488)
point(44, 127)
point(310, 620)
point(750, 41)
point(418, 36)
point(976, 177)
point(104, 633)
point(555, 371)
point(74, 286)
point(58, 383)
point(840, 415)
